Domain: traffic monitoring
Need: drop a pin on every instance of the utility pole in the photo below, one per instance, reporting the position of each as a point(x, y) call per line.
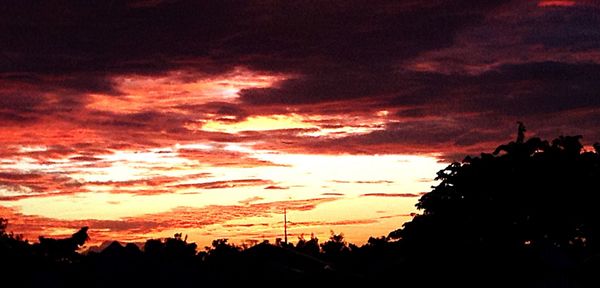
point(284, 226)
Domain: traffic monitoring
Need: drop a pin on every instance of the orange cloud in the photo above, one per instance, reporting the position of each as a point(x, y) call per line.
point(177, 89)
point(225, 184)
point(141, 227)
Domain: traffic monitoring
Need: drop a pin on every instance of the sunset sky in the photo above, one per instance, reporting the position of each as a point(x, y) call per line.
point(146, 118)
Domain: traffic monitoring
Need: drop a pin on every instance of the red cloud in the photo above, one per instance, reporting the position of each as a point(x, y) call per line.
point(553, 3)
point(18, 185)
point(274, 187)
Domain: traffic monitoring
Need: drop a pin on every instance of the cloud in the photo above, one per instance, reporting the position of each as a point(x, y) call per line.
point(262, 230)
point(519, 33)
point(397, 215)
point(82, 55)
point(332, 194)
point(332, 223)
point(144, 226)
point(223, 158)
point(251, 200)
point(556, 3)
point(275, 187)
point(480, 110)
point(390, 195)
point(374, 182)
point(225, 184)
point(85, 158)
point(16, 185)
point(363, 182)
point(32, 226)
point(89, 88)
point(349, 58)
point(248, 225)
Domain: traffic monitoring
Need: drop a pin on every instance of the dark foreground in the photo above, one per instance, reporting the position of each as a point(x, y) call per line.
point(526, 215)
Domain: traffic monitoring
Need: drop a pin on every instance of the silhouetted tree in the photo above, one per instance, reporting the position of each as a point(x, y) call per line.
point(309, 247)
point(222, 250)
point(529, 205)
point(154, 247)
point(178, 247)
point(175, 247)
point(335, 248)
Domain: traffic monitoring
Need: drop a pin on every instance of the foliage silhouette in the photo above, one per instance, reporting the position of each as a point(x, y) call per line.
point(528, 211)
point(336, 248)
point(309, 247)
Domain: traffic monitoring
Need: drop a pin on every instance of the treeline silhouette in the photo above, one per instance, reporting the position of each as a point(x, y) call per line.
point(526, 215)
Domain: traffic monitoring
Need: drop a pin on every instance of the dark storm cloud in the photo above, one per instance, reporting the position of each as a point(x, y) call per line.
point(462, 114)
point(19, 106)
point(573, 28)
point(338, 57)
point(512, 89)
point(100, 38)
point(519, 33)
point(53, 54)
point(540, 87)
point(356, 55)
point(464, 110)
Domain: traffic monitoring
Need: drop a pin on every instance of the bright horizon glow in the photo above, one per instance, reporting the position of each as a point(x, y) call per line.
point(208, 189)
point(173, 183)
point(342, 179)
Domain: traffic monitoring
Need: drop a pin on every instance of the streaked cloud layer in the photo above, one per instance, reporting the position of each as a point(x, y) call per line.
point(134, 110)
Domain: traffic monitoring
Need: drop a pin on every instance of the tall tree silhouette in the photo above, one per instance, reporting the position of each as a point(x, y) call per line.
point(529, 205)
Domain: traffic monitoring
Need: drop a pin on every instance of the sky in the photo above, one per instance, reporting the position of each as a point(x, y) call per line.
point(146, 118)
